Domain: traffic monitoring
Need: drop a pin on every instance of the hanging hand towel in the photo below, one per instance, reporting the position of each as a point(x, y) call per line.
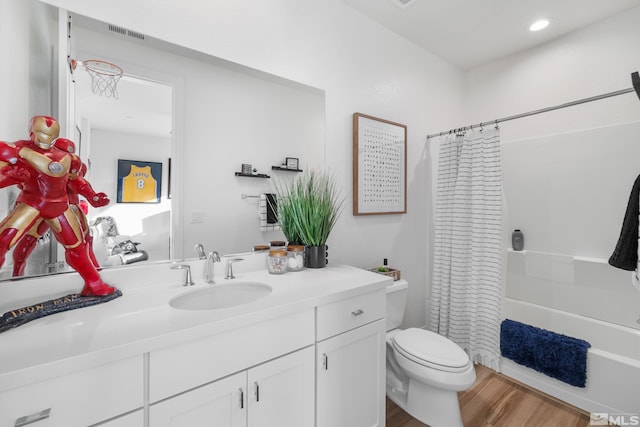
point(268, 212)
point(625, 255)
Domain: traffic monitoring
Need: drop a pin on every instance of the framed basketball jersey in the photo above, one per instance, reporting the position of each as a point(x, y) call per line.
point(139, 182)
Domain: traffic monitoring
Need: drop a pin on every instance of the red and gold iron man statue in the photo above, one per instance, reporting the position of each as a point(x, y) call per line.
point(47, 170)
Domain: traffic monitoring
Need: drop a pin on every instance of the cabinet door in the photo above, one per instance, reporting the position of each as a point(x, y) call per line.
point(281, 391)
point(350, 378)
point(222, 403)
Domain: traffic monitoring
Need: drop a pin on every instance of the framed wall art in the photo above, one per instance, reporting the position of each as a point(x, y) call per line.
point(379, 166)
point(139, 181)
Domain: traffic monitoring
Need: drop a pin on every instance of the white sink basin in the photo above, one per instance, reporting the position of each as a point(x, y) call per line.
point(221, 296)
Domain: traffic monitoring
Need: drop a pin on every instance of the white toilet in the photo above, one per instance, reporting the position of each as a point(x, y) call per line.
point(425, 371)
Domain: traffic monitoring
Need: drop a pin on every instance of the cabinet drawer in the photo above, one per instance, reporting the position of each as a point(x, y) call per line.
point(78, 399)
point(340, 316)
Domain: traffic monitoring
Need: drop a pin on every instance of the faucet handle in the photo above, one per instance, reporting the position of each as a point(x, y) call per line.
point(230, 267)
point(188, 281)
point(199, 249)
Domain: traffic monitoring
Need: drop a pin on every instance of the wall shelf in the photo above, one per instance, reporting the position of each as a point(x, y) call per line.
point(258, 175)
point(280, 168)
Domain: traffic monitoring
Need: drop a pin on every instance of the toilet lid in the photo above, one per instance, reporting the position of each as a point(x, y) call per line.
point(430, 349)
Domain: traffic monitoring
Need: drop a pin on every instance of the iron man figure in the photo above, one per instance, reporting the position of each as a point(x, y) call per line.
point(28, 242)
point(44, 198)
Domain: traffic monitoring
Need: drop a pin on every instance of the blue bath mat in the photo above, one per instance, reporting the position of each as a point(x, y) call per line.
point(558, 356)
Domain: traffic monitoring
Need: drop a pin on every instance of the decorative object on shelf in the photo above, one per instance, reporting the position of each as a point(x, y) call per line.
point(246, 169)
point(291, 163)
point(379, 166)
point(386, 270)
point(49, 175)
point(139, 181)
point(308, 208)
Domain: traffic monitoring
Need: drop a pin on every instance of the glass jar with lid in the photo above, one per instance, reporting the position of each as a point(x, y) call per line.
point(295, 257)
point(277, 261)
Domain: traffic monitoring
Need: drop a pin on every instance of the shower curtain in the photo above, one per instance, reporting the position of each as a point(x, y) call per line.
point(466, 291)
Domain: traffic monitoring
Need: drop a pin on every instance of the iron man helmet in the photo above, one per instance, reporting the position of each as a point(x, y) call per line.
point(43, 130)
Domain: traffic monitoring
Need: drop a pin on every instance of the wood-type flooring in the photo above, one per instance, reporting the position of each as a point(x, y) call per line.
point(497, 401)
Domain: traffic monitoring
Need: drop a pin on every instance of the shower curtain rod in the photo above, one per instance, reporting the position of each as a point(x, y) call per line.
point(542, 110)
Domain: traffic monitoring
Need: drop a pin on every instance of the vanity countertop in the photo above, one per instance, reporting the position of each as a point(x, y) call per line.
point(142, 321)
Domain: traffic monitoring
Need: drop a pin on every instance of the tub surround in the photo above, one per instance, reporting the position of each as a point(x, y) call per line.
point(613, 366)
point(141, 323)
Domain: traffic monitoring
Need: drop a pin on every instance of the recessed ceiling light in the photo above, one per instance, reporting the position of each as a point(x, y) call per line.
point(540, 24)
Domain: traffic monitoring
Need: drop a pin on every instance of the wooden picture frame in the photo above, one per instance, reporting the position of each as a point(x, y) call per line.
point(139, 181)
point(379, 166)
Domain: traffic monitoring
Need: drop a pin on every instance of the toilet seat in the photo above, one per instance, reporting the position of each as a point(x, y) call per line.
point(430, 349)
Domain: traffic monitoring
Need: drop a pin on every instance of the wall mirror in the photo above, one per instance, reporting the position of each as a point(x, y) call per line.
point(199, 117)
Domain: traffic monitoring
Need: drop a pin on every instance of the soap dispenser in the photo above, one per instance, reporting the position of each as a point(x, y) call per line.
point(517, 240)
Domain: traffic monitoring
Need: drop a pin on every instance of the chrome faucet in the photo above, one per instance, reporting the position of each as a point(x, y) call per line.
point(187, 278)
point(230, 267)
point(200, 251)
point(212, 258)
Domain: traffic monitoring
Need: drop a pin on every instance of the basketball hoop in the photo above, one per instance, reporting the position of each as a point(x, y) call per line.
point(104, 76)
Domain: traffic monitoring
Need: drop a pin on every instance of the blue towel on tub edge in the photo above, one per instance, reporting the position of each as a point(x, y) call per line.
point(558, 356)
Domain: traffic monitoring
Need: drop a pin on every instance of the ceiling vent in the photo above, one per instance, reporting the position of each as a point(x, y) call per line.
point(403, 4)
point(125, 32)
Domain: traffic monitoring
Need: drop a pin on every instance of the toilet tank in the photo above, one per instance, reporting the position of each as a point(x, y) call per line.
point(396, 301)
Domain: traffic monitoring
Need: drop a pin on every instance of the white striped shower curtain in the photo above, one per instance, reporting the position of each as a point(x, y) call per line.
point(466, 291)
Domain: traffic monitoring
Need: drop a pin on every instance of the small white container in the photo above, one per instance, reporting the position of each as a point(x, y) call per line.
point(295, 257)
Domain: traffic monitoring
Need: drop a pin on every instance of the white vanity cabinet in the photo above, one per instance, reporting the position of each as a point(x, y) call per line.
point(267, 371)
point(81, 398)
point(281, 392)
point(350, 367)
point(223, 401)
point(311, 354)
point(277, 393)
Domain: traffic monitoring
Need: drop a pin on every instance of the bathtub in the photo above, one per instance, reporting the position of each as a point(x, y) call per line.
point(613, 361)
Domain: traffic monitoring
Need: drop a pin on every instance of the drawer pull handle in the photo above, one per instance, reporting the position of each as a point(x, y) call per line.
point(29, 419)
point(257, 392)
point(241, 398)
point(357, 313)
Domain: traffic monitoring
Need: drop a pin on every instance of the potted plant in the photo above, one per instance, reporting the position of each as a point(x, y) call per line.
point(308, 208)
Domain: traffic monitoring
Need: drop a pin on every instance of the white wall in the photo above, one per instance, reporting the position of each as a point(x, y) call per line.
point(361, 66)
point(588, 62)
point(26, 79)
point(586, 149)
point(568, 173)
